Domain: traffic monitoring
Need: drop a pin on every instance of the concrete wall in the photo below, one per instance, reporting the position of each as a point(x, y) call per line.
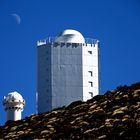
point(66, 73)
point(44, 79)
point(90, 71)
point(14, 114)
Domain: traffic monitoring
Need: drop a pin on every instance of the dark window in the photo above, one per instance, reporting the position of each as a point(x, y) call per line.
point(90, 52)
point(91, 93)
point(91, 83)
point(91, 73)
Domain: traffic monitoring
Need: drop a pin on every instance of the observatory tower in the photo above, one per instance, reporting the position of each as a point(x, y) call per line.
point(13, 104)
point(68, 70)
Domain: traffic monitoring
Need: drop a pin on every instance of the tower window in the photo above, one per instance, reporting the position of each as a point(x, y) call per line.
point(90, 52)
point(91, 93)
point(91, 73)
point(91, 83)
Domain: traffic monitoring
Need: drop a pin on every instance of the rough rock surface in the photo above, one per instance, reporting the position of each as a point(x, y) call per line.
point(112, 116)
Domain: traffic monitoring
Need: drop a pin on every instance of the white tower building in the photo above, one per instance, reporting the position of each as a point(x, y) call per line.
point(68, 70)
point(13, 104)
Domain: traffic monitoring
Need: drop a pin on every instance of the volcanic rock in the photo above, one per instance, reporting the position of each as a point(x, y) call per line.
point(112, 116)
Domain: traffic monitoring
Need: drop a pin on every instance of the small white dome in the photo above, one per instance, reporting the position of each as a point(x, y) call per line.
point(70, 36)
point(14, 96)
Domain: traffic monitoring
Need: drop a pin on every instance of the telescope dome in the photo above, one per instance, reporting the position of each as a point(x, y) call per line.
point(14, 96)
point(70, 36)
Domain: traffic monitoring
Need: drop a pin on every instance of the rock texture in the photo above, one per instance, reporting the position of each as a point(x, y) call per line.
point(112, 116)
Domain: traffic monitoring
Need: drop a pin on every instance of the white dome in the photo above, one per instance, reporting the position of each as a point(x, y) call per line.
point(70, 36)
point(14, 96)
point(13, 104)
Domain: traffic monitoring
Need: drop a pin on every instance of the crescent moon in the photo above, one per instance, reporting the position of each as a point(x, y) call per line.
point(17, 18)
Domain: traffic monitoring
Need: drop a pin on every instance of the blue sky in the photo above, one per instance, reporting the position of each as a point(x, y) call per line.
point(116, 23)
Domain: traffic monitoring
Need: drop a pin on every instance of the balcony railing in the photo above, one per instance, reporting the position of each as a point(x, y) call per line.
point(51, 40)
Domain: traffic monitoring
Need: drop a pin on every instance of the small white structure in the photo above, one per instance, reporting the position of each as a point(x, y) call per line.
point(13, 104)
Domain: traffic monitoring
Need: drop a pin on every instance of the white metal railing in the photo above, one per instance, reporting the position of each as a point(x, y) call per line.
point(52, 40)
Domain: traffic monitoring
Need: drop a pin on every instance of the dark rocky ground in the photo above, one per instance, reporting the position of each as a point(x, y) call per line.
point(112, 116)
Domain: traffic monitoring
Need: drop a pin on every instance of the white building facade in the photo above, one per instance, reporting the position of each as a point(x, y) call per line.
point(68, 70)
